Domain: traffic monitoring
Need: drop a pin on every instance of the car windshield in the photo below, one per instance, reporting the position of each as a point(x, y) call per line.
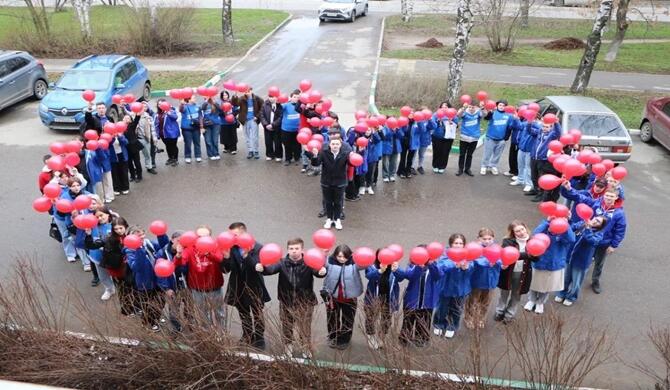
point(339, 1)
point(596, 125)
point(79, 80)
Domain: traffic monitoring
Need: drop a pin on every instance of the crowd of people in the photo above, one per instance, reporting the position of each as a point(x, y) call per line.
point(438, 292)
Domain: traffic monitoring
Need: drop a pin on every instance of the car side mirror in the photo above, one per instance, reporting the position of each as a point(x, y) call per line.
point(120, 86)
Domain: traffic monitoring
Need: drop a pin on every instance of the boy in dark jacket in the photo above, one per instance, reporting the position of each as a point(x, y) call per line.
point(271, 116)
point(249, 117)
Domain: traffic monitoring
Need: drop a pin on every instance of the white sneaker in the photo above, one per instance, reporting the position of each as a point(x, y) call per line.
point(558, 299)
point(338, 224)
point(212, 158)
point(527, 188)
point(392, 178)
point(370, 191)
point(482, 171)
point(328, 224)
point(372, 342)
point(385, 180)
point(87, 268)
point(440, 171)
point(437, 332)
point(539, 308)
point(268, 158)
point(217, 157)
point(361, 191)
point(508, 173)
point(187, 160)
point(567, 302)
point(107, 294)
point(278, 159)
point(529, 306)
point(71, 259)
point(435, 170)
point(515, 183)
point(198, 159)
point(449, 334)
point(126, 192)
point(494, 171)
point(513, 178)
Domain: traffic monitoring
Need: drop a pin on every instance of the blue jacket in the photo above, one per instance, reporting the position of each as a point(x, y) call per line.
point(524, 138)
point(615, 230)
point(391, 143)
point(170, 125)
point(425, 130)
point(211, 111)
point(454, 282)
point(375, 147)
point(123, 150)
point(177, 280)
point(372, 290)
point(556, 256)
point(471, 124)
point(363, 168)
point(517, 126)
point(431, 292)
point(99, 232)
point(438, 126)
point(190, 113)
point(500, 125)
point(541, 141)
point(582, 251)
point(485, 276)
point(290, 118)
point(141, 261)
point(65, 194)
point(95, 162)
point(411, 136)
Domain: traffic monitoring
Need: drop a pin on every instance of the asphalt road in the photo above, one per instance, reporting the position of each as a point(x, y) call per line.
point(278, 203)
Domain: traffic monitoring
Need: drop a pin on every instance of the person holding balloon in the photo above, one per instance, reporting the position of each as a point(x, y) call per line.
point(101, 232)
point(524, 141)
point(470, 118)
point(391, 147)
point(445, 124)
point(96, 120)
point(84, 203)
point(499, 130)
point(190, 129)
point(147, 136)
point(425, 127)
point(484, 279)
point(539, 164)
point(171, 276)
point(410, 142)
point(271, 116)
point(134, 146)
point(381, 296)
point(167, 128)
point(229, 123)
point(63, 217)
point(249, 117)
point(290, 123)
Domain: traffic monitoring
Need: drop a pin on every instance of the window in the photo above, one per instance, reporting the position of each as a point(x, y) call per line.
point(550, 109)
point(666, 109)
point(130, 69)
point(597, 125)
point(17, 63)
point(4, 68)
point(79, 80)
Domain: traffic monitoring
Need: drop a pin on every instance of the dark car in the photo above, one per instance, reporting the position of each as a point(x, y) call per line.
point(656, 121)
point(21, 77)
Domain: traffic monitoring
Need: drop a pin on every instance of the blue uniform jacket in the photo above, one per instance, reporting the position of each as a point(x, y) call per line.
point(556, 256)
point(290, 117)
point(431, 292)
point(485, 276)
point(99, 232)
point(211, 111)
point(177, 280)
point(391, 143)
point(170, 125)
point(438, 126)
point(471, 124)
point(500, 125)
point(372, 290)
point(141, 262)
point(615, 230)
point(123, 150)
point(95, 162)
point(454, 282)
point(412, 136)
point(582, 251)
point(425, 129)
point(190, 113)
point(524, 138)
point(541, 141)
point(375, 148)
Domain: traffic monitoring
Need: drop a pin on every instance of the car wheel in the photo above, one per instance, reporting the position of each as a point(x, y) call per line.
point(114, 114)
point(646, 132)
point(353, 16)
point(40, 89)
point(146, 94)
point(365, 11)
point(322, 20)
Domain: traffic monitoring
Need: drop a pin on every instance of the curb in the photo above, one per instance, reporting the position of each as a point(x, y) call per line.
point(634, 131)
point(219, 76)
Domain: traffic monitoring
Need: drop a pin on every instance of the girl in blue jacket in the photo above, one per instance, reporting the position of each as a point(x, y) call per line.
point(381, 300)
point(454, 288)
point(524, 141)
point(425, 130)
point(190, 129)
point(444, 132)
point(484, 280)
point(101, 232)
point(588, 234)
point(391, 148)
point(471, 119)
point(410, 144)
point(374, 155)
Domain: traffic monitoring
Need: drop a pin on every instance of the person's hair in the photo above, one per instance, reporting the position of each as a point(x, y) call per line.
point(73, 179)
point(456, 236)
point(447, 103)
point(105, 210)
point(295, 92)
point(335, 136)
point(46, 157)
point(135, 229)
point(295, 241)
point(333, 115)
point(176, 234)
point(343, 249)
point(485, 232)
point(100, 103)
point(512, 225)
point(602, 225)
point(96, 198)
point(226, 93)
point(237, 225)
point(158, 104)
point(118, 221)
point(209, 229)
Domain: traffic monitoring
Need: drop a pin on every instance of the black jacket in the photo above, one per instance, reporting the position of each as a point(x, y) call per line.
point(333, 168)
point(505, 279)
point(93, 121)
point(245, 285)
point(296, 282)
point(265, 115)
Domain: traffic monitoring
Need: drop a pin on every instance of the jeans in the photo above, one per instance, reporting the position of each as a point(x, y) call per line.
point(191, 139)
point(304, 159)
point(103, 275)
point(212, 138)
point(83, 256)
point(210, 307)
point(492, 151)
point(598, 263)
point(389, 165)
point(422, 156)
point(509, 299)
point(251, 135)
point(146, 152)
point(467, 149)
point(68, 240)
point(523, 162)
point(448, 313)
point(574, 277)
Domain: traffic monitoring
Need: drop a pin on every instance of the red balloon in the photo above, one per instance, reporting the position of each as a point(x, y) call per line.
point(175, 94)
point(324, 238)
point(598, 169)
point(314, 96)
point(120, 127)
point(226, 240)
point(91, 135)
point(529, 115)
point(355, 159)
point(117, 99)
point(405, 110)
point(490, 105)
point(186, 93)
point(230, 118)
point(548, 182)
point(543, 238)
point(92, 145)
point(397, 249)
point(547, 208)
point(419, 255)
point(202, 91)
point(82, 202)
point(427, 114)
point(584, 211)
point(304, 98)
point(474, 250)
point(319, 109)
point(595, 158)
point(327, 104)
point(362, 142)
point(88, 95)
point(64, 206)
point(306, 130)
point(609, 164)
point(103, 144)
point(132, 241)
point(241, 87)
point(482, 95)
point(619, 172)
point(327, 121)
point(361, 127)
point(441, 113)
point(509, 255)
point(534, 107)
point(451, 113)
point(466, 99)
point(86, 221)
point(381, 119)
point(273, 91)
point(562, 211)
point(392, 123)
point(72, 159)
point(165, 106)
point(106, 137)
point(73, 146)
point(42, 204)
point(229, 85)
point(492, 252)
point(137, 107)
point(314, 144)
point(535, 247)
point(270, 254)
point(245, 241)
point(576, 135)
point(158, 228)
point(226, 106)
point(510, 109)
point(205, 244)
point(435, 250)
point(109, 128)
point(57, 148)
point(566, 139)
point(419, 116)
point(314, 258)
point(573, 168)
point(364, 257)
point(303, 138)
point(559, 226)
point(372, 122)
point(552, 157)
point(549, 119)
point(559, 161)
point(163, 268)
point(556, 146)
point(386, 256)
point(315, 121)
point(457, 254)
point(403, 121)
point(52, 190)
point(188, 239)
point(585, 156)
point(305, 85)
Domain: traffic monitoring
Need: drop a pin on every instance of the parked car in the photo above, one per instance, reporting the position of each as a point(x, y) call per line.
point(107, 75)
point(342, 10)
point(21, 77)
point(656, 121)
point(601, 127)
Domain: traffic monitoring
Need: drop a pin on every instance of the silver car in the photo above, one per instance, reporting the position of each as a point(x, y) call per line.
point(21, 77)
point(601, 127)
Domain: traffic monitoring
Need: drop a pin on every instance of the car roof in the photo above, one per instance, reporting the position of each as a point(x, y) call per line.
point(579, 104)
point(9, 53)
point(100, 62)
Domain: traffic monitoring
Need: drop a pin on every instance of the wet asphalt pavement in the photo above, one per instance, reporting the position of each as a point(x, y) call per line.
point(278, 203)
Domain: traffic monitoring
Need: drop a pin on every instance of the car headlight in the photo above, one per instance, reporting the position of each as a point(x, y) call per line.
point(44, 108)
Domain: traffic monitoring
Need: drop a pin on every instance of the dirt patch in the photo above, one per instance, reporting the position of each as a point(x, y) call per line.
point(568, 43)
point(431, 43)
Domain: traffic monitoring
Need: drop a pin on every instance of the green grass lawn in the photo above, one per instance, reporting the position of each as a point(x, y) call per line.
point(642, 58)
point(441, 25)
point(108, 22)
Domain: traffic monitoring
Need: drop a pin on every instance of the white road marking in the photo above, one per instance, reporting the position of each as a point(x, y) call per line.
point(662, 88)
point(623, 86)
point(555, 73)
point(527, 77)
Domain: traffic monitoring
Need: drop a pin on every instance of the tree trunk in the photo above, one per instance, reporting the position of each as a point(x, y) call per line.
point(463, 27)
point(407, 10)
point(523, 13)
point(82, 10)
point(227, 22)
point(39, 18)
point(593, 43)
point(621, 27)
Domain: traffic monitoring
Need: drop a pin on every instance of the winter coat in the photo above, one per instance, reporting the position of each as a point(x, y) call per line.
point(296, 282)
point(246, 286)
point(524, 137)
point(500, 125)
point(243, 103)
point(333, 167)
point(505, 280)
point(585, 245)
point(471, 124)
point(541, 140)
point(485, 276)
point(266, 113)
point(95, 165)
point(210, 112)
point(391, 143)
point(414, 274)
point(411, 137)
point(190, 116)
point(454, 281)
point(176, 281)
point(141, 262)
point(372, 289)
point(556, 256)
point(348, 274)
point(169, 126)
point(204, 272)
point(615, 230)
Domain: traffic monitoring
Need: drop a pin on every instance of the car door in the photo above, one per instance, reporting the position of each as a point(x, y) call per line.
point(20, 77)
point(120, 78)
point(662, 131)
point(136, 85)
point(4, 86)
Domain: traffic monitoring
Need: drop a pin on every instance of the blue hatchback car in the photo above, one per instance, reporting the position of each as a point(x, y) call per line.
point(107, 75)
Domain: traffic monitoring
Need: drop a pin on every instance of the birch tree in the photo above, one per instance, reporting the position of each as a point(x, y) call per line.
point(524, 8)
point(463, 26)
point(593, 43)
point(227, 22)
point(621, 27)
point(407, 10)
point(82, 8)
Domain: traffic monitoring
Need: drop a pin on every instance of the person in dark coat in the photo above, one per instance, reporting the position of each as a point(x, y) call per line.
point(249, 117)
point(246, 288)
point(96, 121)
point(271, 116)
point(514, 279)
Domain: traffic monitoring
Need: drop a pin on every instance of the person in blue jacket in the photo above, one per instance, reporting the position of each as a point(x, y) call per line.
point(290, 123)
point(173, 287)
point(410, 142)
point(484, 280)
point(381, 301)
point(425, 130)
point(94, 161)
point(101, 232)
point(391, 148)
point(141, 262)
point(611, 208)
point(63, 221)
point(190, 129)
point(210, 126)
point(119, 160)
point(454, 288)
point(524, 142)
point(374, 154)
point(589, 234)
point(442, 137)
point(539, 155)
point(471, 119)
point(499, 129)
point(549, 269)
point(167, 128)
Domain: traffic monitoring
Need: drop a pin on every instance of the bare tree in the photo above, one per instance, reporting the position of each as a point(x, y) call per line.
point(621, 27)
point(524, 7)
point(500, 29)
point(227, 21)
point(59, 5)
point(463, 27)
point(593, 43)
point(82, 9)
point(660, 339)
point(407, 10)
point(38, 14)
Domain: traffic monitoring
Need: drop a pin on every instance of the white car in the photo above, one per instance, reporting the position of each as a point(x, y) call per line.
point(342, 10)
